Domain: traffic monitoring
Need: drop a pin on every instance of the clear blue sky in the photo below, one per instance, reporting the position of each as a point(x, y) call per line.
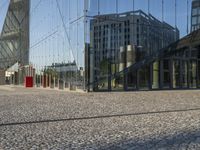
point(45, 20)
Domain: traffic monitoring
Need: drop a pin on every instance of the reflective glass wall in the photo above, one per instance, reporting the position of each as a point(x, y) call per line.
point(57, 43)
point(123, 33)
point(93, 44)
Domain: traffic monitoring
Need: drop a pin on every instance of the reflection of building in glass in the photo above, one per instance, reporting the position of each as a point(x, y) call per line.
point(126, 51)
point(173, 67)
point(14, 38)
point(67, 72)
point(64, 67)
point(195, 19)
point(122, 39)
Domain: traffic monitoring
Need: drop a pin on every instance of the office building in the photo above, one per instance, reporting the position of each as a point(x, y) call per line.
point(195, 17)
point(123, 39)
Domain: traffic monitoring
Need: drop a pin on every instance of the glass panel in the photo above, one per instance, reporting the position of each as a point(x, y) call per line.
point(193, 73)
point(107, 7)
point(194, 20)
point(155, 81)
point(57, 45)
point(125, 6)
point(198, 20)
point(143, 76)
point(117, 82)
point(132, 80)
point(104, 71)
point(194, 11)
point(114, 32)
point(166, 74)
point(176, 74)
point(102, 84)
point(185, 74)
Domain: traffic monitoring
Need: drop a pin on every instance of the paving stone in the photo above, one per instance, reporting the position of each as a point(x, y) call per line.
point(46, 119)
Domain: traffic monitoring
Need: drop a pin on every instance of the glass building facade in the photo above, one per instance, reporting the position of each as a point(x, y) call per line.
point(107, 45)
point(132, 49)
point(14, 37)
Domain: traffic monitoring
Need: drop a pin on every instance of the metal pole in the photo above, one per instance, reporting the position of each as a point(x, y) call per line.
point(175, 18)
point(187, 17)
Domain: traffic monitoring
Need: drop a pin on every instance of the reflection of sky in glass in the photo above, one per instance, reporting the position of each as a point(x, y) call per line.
point(155, 8)
point(63, 42)
point(49, 41)
point(3, 10)
point(109, 6)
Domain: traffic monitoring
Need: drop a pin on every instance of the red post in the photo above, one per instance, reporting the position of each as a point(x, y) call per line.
point(28, 82)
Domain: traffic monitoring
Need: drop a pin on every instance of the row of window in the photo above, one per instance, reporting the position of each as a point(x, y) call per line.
point(195, 11)
point(196, 20)
point(195, 27)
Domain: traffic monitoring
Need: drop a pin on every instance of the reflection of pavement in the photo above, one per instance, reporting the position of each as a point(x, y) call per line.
point(44, 119)
point(7, 88)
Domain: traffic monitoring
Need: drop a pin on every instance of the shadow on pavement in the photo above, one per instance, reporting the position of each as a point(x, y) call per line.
point(182, 140)
point(97, 117)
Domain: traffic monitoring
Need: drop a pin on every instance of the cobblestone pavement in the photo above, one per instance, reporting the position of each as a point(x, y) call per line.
point(46, 119)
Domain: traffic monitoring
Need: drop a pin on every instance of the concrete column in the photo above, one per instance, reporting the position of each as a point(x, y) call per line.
point(47, 80)
point(50, 81)
point(171, 71)
point(130, 55)
point(58, 81)
point(150, 76)
point(54, 82)
point(122, 58)
point(63, 84)
point(181, 73)
point(109, 77)
point(188, 73)
point(40, 80)
point(161, 74)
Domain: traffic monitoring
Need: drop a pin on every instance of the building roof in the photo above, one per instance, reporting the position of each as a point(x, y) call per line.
point(139, 12)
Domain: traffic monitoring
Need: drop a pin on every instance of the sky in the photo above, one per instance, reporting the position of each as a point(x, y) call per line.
point(3, 9)
point(155, 8)
point(65, 42)
point(124, 5)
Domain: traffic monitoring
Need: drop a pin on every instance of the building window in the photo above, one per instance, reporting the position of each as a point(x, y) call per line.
point(199, 20)
point(194, 20)
point(194, 11)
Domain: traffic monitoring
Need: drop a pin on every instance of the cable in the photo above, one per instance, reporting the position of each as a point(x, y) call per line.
point(28, 13)
point(77, 44)
point(175, 13)
point(187, 17)
point(45, 38)
point(176, 19)
point(65, 29)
